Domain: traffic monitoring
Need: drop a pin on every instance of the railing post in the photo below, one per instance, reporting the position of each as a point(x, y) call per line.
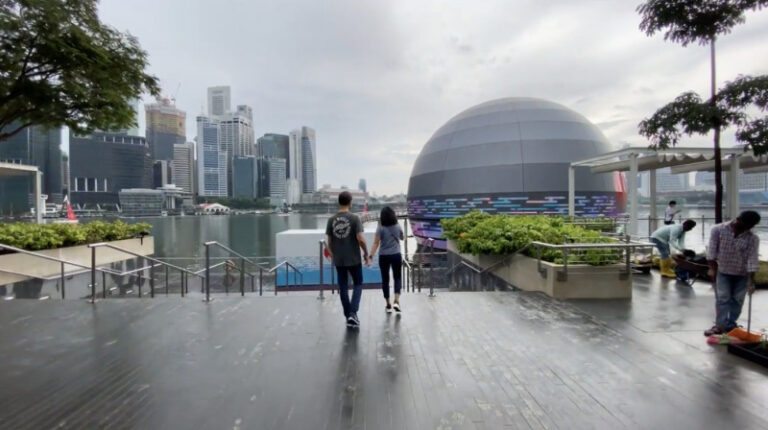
point(405, 237)
point(207, 272)
point(286, 279)
point(253, 287)
point(183, 276)
point(141, 275)
point(702, 227)
point(320, 265)
point(103, 285)
point(261, 281)
point(242, 277)
point(166, 281)
point(431, 267)
point(93, 274)
point(151, 281)
point(649, 226)
point(63, 281)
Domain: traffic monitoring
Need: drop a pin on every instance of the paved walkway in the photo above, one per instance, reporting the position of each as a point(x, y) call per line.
point(474, 360)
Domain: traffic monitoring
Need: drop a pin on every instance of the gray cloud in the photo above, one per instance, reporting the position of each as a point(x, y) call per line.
point(377, 78)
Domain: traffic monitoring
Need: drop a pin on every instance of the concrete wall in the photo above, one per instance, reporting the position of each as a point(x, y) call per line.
point(583, 281)
point(35, 267)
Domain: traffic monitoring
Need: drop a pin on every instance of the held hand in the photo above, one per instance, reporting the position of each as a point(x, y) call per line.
point(712, 274)
point(750, 287)
point(367, 260)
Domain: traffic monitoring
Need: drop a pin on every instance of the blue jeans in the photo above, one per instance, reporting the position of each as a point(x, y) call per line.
point(357, 280)
point(396, 262)
point(731, 290)
point(663, 248)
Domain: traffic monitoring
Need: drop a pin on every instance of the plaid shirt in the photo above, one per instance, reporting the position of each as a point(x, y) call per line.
point(735, 255)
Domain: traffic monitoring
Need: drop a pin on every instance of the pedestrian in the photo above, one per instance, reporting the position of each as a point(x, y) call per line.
point(732, 255)
point(344, 234)
point(668, 238)
point(388, 237)
point(670, 212)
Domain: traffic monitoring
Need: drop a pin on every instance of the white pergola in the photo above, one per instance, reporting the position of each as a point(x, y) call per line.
point(680, 160)
point(10, 169)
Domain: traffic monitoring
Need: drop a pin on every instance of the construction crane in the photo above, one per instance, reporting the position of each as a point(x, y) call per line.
point(175, 93)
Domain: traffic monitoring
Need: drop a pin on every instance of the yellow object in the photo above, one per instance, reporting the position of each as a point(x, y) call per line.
point(666, 268)
point(740, 333)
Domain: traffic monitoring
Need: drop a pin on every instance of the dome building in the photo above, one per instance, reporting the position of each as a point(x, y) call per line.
point(510, 156)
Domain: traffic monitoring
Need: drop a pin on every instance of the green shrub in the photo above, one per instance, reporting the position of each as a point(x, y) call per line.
point(477, 233)
point(34, 237)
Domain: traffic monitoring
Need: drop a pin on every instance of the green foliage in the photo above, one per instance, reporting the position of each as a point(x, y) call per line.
point(483, 234)
point(689, 21)
point(61, 66)
point(688, 114)
point(453, 227)
point(34, 237)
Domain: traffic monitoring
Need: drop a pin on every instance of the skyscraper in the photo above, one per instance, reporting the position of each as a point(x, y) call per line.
point(211, 159)
point(184, 166)
point(302, 162)
point(166, 126)
point(362, 185)
point(32, 146)
point(272, 145)
point(236, 138)
point(162, 173)
point(219, 101)
point(245, 177)
point(103, 164)
point(272, 184)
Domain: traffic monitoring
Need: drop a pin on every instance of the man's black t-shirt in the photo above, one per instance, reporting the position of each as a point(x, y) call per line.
point(343, 229)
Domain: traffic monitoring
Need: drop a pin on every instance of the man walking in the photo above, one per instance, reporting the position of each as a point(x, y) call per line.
point(670, 212)
point(733, 261)
point(344, 235)
point(668, 238)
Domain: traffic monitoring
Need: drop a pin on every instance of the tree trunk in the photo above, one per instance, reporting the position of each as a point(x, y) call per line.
point(718, 156)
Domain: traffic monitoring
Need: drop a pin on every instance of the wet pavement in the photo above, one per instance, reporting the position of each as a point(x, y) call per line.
point(474, 360)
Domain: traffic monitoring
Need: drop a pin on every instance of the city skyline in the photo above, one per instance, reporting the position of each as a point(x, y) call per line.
point(377, 79)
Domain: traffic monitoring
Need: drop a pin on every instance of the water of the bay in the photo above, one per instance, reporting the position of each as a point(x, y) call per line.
point(254, 235)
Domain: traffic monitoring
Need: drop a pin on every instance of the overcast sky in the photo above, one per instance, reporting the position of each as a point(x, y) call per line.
point(376, 78)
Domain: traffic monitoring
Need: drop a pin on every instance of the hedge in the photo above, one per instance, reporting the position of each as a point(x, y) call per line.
point(478, 233)
point(35, 237)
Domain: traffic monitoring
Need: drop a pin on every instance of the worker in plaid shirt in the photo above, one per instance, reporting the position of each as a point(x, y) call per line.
point(732, 257)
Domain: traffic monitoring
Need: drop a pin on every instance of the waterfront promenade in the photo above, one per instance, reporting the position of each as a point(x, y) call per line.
point(461, 360)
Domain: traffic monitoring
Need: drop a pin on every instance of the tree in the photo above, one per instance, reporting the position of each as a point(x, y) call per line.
point(59, 65)
point(699, 21)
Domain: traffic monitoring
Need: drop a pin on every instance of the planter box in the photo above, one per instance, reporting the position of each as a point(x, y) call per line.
point(751, 351)
point(583, 281)
point(21, 264)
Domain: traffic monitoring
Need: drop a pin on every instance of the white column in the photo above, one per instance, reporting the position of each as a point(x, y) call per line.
point(732, 201)
point(652, 187)
point(632, 194)
point(39, 207)
point(571, 191)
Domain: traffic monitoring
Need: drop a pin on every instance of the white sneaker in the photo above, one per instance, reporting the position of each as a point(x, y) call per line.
point(396, 306)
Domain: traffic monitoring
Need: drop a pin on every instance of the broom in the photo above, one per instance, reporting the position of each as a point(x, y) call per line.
point(746, 335)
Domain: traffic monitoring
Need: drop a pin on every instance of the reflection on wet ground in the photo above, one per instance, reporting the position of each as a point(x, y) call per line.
point(460, 360)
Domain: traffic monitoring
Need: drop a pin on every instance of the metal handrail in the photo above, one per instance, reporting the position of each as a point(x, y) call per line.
point(61, 261)
point(94, 246)
point(231, 251)
point(137, 255)
point(630, 244)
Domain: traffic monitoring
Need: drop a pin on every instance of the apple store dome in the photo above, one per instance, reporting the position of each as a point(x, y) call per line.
point(510, 155)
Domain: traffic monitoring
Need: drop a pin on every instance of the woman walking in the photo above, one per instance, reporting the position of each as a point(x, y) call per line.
point(387, 242)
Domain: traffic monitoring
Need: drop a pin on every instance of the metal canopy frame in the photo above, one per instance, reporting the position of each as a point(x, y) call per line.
point(680, 159)
point(11, 169)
